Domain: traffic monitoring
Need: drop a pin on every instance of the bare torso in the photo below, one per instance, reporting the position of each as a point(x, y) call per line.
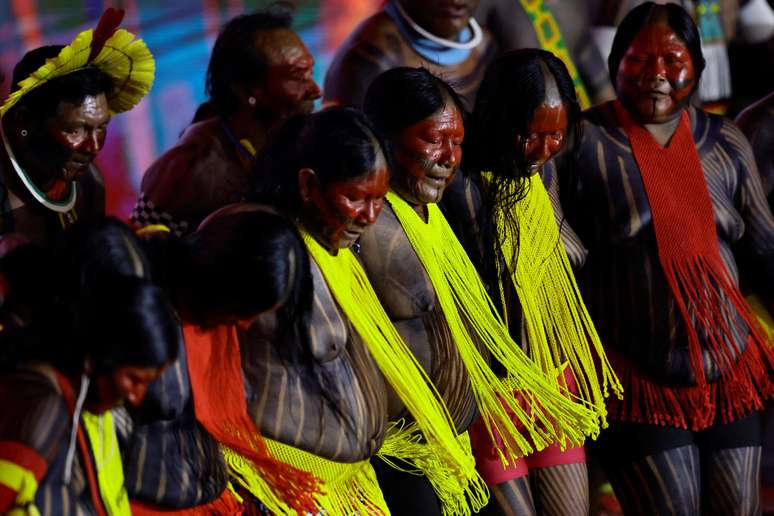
point(403, 287)
point(288, 409)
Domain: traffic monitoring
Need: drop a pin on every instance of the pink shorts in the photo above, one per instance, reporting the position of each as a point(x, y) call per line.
point(491, 468)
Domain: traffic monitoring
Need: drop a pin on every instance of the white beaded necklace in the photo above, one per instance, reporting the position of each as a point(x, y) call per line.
point(474, 27)
point(57, 206)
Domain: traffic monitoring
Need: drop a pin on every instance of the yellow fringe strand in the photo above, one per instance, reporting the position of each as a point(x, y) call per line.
point(405, 442)
point(550, 417)
point(763, 315)
point(349, 488)
point(103, 440)
point(559, 328)
point(350, 287)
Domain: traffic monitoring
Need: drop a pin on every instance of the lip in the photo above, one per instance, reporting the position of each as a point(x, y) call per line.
point(655, 93)
point(351, 235)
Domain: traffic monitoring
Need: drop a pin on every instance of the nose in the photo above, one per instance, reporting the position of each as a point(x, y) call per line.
point(370, 212)
point(449, 157)
point(656, 68)
point(543, 152)
point(139, 395)
point(313, 91)
point(92, 144)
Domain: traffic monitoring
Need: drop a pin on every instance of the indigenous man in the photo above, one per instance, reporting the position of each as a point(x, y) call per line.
point(260, 73)
point(559, 26)
point(445, 39)
point(54, 124)
point(442, 311)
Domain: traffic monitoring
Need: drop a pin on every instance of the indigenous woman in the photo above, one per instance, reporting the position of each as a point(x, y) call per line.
point(669, 194)
point(434, 295)
point(54, 123)
point(527, 114)
point(239, 264)
point(96, 334)
point(329, 172)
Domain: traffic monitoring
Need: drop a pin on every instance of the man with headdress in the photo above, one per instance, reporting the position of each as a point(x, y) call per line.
point(54, 124)
point(260, 73)
point(445, 39)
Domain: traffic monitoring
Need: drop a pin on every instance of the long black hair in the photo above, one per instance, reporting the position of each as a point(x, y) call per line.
point(93, 300)
point(338, 143)
point(403, 96)
point(513, 88)
point(678, 20)
point(238, 264)
point(245, 260)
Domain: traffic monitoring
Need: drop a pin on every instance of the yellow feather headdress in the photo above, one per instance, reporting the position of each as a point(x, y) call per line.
point(126, 60)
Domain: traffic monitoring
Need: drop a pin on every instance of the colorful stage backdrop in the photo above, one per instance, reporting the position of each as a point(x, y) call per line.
point(180, 33)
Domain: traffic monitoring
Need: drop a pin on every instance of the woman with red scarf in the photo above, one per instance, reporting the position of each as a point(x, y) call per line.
point(669, 194)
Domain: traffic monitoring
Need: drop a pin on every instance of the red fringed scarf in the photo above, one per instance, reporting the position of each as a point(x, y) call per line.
point(704, 291)
point(215, 368)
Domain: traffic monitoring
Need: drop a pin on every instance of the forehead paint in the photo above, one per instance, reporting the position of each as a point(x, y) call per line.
point(552, 95)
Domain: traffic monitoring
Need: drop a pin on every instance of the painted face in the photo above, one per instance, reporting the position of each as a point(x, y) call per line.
point(71, 139)
point(344, 209)
point(427, 155)
point(656, 76)
point(126, 383)
point(288, 86)
point(444, 18)
point(545, 137)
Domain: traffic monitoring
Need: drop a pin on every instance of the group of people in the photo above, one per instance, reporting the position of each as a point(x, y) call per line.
point(372, 308)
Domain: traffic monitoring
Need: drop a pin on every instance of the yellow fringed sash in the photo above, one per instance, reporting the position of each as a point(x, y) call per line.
point(348, 489)
point(349, 285)
point(103, 440)
point(551, 416)
point(404, 441)
point(559, 328)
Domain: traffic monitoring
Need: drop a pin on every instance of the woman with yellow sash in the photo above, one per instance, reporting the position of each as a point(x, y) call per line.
point(329, 173)
point(83, 331)
point(437, 301)
point(240, 264)
point(526, 114)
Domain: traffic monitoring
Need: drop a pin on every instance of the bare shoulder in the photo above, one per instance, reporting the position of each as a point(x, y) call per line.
point(34, 412)
point(392, 265)
point(373, 47)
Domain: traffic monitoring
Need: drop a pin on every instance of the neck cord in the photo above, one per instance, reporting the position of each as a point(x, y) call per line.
point(57, 206)
point(475, 28)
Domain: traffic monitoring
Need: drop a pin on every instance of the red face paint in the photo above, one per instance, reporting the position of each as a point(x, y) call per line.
point(125, 383)
point(656, 76)
point(346, 208)
point(288, 85)
point(545, 136)
point(427, 155)
point(74, 136)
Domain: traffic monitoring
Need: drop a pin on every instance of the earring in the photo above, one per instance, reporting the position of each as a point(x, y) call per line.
point(251, 101)
point(24, 132)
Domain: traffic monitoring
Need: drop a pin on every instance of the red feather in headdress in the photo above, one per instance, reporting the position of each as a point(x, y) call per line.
point(107, 25)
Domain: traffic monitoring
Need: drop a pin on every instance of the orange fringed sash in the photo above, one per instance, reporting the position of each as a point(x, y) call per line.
point(215, 368)
point(704, 291)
